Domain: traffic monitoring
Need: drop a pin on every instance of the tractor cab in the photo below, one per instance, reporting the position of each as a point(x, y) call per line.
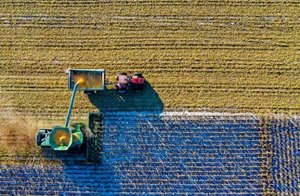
point(125, 82)
point(122, 82)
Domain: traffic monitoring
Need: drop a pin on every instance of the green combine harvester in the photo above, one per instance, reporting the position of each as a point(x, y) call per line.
point(63, 138)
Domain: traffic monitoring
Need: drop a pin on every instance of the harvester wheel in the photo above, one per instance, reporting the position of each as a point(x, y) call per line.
point(94, 140)
point(86, 147)
point(89, 150)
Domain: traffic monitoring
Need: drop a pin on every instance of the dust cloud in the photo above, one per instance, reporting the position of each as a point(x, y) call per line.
point(17, 133)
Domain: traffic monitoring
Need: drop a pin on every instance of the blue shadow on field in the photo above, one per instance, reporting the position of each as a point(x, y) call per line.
point(145, 100)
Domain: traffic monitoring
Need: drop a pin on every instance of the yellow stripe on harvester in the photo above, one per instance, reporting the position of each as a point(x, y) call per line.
point(75, 137)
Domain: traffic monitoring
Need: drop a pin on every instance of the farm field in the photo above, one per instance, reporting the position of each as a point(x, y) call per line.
point(169, 153)
point(239, 56)
point(234, 65)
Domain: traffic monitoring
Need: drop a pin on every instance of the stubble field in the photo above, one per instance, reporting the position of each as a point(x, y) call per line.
point(240, 56)
point(208, 56)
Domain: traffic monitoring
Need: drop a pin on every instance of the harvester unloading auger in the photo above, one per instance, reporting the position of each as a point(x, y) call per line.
point(62, 138)
point(91, 81)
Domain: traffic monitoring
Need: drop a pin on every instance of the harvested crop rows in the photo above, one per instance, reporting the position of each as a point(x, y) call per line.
point(213, 55)
point(170, 153)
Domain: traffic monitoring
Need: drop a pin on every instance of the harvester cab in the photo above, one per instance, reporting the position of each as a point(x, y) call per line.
point(62, 138)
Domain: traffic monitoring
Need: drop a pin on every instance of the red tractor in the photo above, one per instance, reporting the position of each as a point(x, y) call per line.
point(125, 82)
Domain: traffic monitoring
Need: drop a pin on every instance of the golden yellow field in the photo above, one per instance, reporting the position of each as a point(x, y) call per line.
point(240, 56)
point(235, 56)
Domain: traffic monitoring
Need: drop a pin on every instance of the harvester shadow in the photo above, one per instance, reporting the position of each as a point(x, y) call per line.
point(69, 157)
point(145, 100)
point(82, 176)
